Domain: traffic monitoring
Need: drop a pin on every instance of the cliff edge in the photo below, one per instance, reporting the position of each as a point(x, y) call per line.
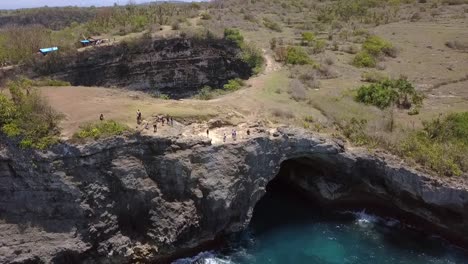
point(144, 199)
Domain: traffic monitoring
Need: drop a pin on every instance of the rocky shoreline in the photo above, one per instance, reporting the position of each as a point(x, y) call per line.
point(143, 198)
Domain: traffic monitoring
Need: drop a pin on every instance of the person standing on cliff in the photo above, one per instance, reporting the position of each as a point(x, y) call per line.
point(208, 132)
point(138, 116)
point(155, 127)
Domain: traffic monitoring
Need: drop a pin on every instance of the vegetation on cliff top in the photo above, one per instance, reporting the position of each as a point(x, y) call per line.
point(101, 129)
point(442, 145)
point(28, 117)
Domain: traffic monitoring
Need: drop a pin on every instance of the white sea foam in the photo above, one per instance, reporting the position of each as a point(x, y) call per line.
point(207, 257)
point(364, 219)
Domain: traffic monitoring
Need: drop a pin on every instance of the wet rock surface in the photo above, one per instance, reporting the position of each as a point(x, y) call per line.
point(143, 198)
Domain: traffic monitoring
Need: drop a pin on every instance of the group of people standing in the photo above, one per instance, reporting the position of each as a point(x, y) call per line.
point(163, 119)
point(233, 134)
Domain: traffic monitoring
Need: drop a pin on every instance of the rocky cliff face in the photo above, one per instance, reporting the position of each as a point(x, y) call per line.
point(178, 67)
point(142, 199)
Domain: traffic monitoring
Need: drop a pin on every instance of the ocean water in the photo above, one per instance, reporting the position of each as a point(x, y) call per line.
point(285, 229)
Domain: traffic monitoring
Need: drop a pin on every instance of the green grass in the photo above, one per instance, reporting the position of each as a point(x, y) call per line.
point(442, 145)
point(27, 117)
point(102, 129)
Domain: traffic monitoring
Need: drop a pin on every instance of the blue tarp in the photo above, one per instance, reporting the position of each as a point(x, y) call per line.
point(85, 41)
point(48, 50)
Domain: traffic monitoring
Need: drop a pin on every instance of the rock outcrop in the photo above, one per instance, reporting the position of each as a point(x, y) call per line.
point(178, 67)
point(144, 199)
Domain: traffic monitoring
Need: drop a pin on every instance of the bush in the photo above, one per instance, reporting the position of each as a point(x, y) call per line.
point(233, 85)
point(297, 90)
point(441, 145)
point(281, 113)
point(377, 46)
point(205, 16)
point(364, 59)
point(251, 55)
point(373, 48)
point(205, 93)
point(175, 26)
point(102, 129)
point(297, 56)
point(308, 38)
point(354, 130)
point(7, 110)
point(327, 72)
point(28, 116)
point(50, 82)
point(388, 92)
point(319, 46)
point(373, 77)
point(233, 35)
point(270, 24)
point(352, 49)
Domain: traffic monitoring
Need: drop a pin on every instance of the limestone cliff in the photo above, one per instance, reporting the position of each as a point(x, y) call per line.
point(178, 67)
point(125, 200)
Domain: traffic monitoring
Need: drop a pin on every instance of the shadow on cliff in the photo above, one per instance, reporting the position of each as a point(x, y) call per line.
point(33, 195)
point(178, 67)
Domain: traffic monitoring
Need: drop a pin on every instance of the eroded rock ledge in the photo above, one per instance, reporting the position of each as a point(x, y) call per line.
point(125, 200)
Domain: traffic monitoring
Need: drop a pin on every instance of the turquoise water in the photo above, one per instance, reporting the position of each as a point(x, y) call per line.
point(285, 230)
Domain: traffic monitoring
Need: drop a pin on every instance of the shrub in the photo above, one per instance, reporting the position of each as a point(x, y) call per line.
point(50, 82)
point(7, 110)
point(388, 92)
point(308, 38)
point(364, 59)
point(297, 56)
point(319, 46)
point(205, 93)
point(373, 76)
point(175, 26)
point(329, 61)
point(297, 90)
point(327, 72)
point(11, 130)
point(282, 113)
point(352, 49)
point(250, 54)
point(233, 35)
point(377, 46)
point(205, 16)
point(270, 24)
point(233, 85)
point(28, 116)
point(253, 56)
point(354, 130)
point(102, 129)
point(441, 145)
